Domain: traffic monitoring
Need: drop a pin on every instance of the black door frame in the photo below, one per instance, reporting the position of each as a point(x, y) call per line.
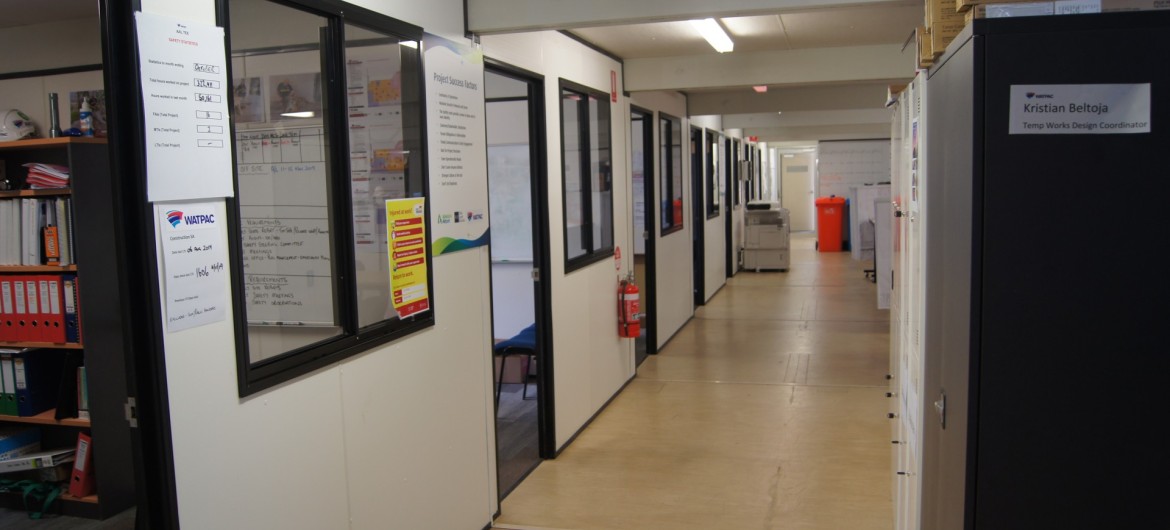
point(649, 226)
point(542, 259)
point(699, 213)
point(732, 177)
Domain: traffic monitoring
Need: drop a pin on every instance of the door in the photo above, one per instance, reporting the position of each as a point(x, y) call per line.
point(796, 182)
point(519, 259)
point(642, 173)
point(699, 210)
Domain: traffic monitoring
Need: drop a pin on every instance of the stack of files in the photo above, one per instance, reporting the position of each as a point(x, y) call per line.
point(31, 377)
point(38, 308)
point(47, 176)
point(36, 231)
point(18, 440)
point(38, 460)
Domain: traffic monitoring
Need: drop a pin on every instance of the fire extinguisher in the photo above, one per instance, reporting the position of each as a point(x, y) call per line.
point(629, 325)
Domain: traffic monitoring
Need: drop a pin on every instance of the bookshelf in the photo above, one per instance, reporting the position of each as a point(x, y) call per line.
point(93, 200)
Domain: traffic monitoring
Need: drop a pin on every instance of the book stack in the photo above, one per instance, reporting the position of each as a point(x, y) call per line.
point(36, 231)
point(47, 176)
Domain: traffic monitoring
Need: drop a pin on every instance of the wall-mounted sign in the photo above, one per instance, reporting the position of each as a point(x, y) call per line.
point(194, 259)
point(1080, 109)
point(185, 109)
point(406, 236)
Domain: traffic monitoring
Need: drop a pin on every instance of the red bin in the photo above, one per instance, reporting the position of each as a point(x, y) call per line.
point(830, 214)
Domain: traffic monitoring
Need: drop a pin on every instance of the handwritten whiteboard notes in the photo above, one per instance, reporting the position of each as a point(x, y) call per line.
point(284, 225)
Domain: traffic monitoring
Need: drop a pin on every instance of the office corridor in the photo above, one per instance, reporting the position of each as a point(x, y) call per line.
point(766, 411)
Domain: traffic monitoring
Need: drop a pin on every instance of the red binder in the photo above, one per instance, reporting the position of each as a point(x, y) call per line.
point(54, 323)
point(36, 315)
point(7, 310)
point(23, 320)
point(81, 480)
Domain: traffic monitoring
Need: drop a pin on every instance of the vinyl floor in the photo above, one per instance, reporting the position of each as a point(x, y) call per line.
point(766, 411)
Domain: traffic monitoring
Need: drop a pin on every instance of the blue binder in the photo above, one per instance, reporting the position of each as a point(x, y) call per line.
point(69, 292)
point(38, 374)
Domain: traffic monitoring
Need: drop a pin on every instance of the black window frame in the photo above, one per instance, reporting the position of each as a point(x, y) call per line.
point(711, 172)
point(592, 254)
point(666, 168)
point(254, 377)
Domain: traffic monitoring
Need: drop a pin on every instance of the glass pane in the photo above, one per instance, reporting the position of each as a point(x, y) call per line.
point(638, 176)
point(664, 169)
point(574, 193)
point(383, 155)
point(676, 170)
point(283, 173)
point(601, 170)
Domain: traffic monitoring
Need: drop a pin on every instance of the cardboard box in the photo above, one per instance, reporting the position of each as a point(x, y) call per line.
point(922, 38)
point(1062, 7)
point(943, 23)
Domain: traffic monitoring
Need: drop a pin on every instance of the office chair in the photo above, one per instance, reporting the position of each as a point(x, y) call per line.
point(522, 343)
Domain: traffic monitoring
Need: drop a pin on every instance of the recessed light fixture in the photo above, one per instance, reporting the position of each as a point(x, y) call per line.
point(760, 88)
point(714, 34)
point(779, 112)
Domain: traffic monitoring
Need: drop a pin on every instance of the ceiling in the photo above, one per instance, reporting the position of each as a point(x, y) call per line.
point(841, 107)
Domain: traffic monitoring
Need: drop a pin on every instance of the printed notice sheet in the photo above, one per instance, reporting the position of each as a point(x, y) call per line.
point(194, 263)
point(185, 105)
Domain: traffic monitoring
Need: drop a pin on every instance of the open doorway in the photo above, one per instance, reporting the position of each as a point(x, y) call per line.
point(642, 172)
point(521, 321)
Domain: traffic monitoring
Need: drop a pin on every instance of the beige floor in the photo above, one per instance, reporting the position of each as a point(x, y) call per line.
point(766, 411)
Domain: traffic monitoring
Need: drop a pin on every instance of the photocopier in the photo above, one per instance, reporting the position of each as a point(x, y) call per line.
point(766, 232)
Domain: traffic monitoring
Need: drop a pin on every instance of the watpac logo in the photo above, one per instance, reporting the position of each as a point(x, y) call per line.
point(1031, 95)
point(177, 217)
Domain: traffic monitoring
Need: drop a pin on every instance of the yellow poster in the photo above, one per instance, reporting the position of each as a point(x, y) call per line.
point(406, 244)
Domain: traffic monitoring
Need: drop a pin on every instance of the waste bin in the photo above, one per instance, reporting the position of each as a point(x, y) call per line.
point(830, 216)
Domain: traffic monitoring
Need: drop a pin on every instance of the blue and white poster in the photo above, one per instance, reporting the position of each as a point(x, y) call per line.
point(457, 137)
point(194, 264)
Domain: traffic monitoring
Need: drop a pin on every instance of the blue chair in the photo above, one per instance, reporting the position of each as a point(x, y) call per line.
point(523, 343)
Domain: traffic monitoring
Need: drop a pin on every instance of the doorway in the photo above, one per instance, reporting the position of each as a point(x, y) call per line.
point(731, 178)
point(642, 173)
point(699, 209)
point(796, 182)
point(521, 309)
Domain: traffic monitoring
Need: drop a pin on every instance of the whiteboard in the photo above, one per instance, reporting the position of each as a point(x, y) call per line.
point(845, 164)
point(510, 183)
point(284, 226)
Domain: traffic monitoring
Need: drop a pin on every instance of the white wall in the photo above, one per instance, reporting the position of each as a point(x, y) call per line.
point(675, 251)
point(60, 44)
point(400, 436)
point(590, 362)
point(714, 231)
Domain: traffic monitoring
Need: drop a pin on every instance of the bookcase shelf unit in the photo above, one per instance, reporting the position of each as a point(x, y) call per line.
point(101, 289)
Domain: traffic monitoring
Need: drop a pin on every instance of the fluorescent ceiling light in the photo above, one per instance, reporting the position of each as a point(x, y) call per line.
point(306, 114)
point(410, 44)
point(714, 34)
point(760, 88)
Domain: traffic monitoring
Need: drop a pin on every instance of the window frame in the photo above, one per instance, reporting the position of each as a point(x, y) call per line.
point(666, 168)
point(711, 172)
point(254, 377)
point(593, 254)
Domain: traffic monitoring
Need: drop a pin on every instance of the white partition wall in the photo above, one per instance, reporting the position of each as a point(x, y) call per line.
point(398, 436)
point(590, 362)
point(675, 250)
point(714, 238)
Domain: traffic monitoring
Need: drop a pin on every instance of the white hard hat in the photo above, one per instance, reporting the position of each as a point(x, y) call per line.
point(15, 125)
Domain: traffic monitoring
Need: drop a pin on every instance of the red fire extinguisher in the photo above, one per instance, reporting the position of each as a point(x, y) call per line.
point(629, 323)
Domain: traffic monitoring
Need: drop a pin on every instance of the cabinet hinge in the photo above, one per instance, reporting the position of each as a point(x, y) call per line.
point(131, 408)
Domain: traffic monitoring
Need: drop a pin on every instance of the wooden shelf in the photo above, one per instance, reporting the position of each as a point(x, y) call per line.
point(91, 499)
point(38, 268)
point(59, 346)
point(46, 143)
point(36, 193)
point(46, 418)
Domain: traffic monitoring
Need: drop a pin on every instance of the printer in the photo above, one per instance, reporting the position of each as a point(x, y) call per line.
point(766, 234)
